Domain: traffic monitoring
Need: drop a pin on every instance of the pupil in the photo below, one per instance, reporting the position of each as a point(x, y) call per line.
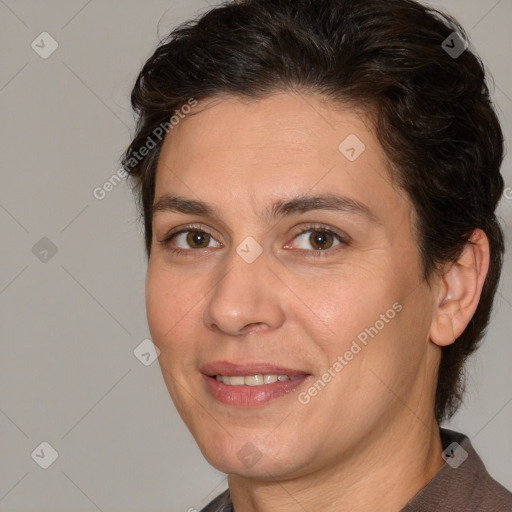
point(320, 239)
point(197, 238)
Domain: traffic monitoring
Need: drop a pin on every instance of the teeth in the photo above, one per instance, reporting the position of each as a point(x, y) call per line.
point(253, 380)
point(234, 381)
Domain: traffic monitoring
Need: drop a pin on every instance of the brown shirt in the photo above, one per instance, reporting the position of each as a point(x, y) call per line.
point(461, 485)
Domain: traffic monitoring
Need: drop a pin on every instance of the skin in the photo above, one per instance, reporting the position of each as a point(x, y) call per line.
point(370, 432)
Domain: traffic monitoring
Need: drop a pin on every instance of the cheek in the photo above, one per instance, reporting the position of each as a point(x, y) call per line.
point(346, 306)
point(170, 314)
point(374, 325)
point(158, 305)
point(170, 302)
point(394, 360)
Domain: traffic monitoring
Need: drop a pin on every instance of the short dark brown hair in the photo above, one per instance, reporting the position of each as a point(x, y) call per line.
point(431, 111)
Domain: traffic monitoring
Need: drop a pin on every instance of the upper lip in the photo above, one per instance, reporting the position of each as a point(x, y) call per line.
point(228, 368)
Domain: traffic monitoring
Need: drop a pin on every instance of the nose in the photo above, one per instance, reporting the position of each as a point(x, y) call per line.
point(245, 298)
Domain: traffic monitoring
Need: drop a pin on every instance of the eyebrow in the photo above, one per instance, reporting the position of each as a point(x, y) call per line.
point(280, 208)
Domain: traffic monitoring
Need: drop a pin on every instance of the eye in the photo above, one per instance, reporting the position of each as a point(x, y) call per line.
point(192, 237)
point(319, 238)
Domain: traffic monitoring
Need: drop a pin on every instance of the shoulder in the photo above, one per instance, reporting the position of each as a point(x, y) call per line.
point(486, 491)
point(222, 503)
point(493, 496)
point(463, 484)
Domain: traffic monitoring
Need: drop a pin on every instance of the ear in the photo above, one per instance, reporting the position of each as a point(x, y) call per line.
point(460, 289)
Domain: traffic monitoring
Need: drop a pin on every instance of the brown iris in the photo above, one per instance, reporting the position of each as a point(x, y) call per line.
point(320, 238)
point(200, 238)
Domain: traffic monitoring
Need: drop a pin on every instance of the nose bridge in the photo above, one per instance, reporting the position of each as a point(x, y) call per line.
point(241, 295)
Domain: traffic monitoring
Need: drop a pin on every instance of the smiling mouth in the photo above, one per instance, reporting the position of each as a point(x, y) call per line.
point(249, 391)
point(255, 380)
point(250, 383)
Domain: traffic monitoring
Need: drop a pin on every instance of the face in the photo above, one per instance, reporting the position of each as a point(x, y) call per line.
point(284, 286)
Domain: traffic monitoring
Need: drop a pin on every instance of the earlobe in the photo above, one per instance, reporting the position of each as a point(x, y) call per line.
point(460, 289)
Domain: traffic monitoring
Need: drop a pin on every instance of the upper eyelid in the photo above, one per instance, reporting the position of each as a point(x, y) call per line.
point(320, 229)
point(185, 229)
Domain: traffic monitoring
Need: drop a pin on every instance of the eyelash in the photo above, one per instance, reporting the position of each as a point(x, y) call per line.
point(310, 227)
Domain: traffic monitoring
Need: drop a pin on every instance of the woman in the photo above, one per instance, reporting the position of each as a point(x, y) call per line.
point(323, 248)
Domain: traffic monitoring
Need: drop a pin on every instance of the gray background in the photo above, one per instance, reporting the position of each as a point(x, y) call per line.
point(69, 325)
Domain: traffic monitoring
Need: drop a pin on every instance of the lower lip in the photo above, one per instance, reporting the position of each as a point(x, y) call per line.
point(250, 396)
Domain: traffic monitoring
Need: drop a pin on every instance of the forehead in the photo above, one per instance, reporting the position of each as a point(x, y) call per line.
point(290, 123)
point(249, 151)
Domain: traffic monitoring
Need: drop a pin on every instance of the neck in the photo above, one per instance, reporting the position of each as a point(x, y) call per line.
point(383, 474)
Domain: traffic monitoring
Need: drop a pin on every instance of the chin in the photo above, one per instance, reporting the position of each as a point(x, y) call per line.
point(250, 458)
point(263, 469)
